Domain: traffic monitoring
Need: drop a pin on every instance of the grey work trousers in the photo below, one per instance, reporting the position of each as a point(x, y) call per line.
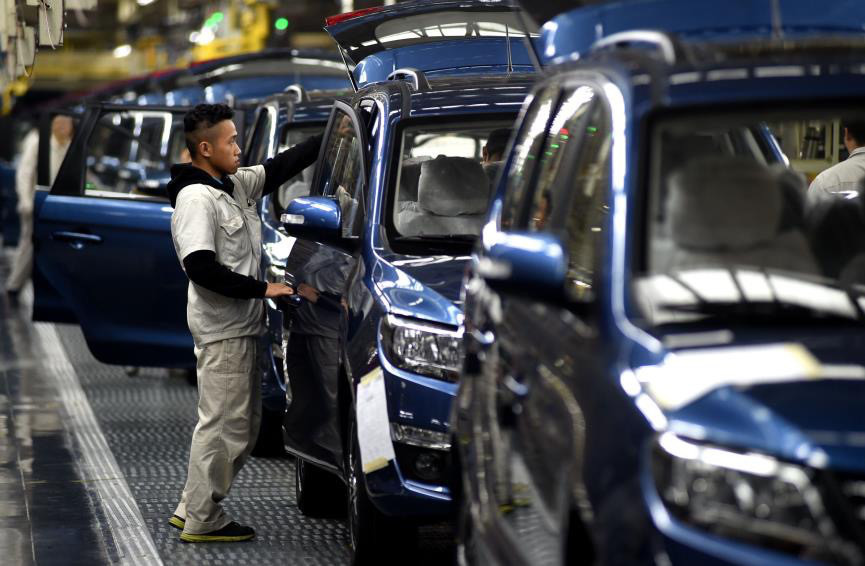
point(229, 416)
point(23, 262)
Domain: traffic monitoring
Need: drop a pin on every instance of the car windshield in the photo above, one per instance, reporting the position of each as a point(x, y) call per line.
point(753, 218)
point(444, 180)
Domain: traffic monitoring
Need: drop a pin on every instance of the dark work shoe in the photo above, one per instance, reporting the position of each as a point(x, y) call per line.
point(177, 522)
point(232, 532)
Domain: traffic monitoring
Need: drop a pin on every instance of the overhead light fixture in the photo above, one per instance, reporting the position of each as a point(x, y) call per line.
point(145, 2)
point(123, 51)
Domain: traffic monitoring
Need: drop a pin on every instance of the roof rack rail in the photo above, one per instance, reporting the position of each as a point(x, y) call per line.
point(418, 78)
point(300, 94)
point(664, 42)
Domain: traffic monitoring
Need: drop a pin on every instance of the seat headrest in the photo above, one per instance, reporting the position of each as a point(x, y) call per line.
point(453, 186)
point(723, 203)
point(409, 175)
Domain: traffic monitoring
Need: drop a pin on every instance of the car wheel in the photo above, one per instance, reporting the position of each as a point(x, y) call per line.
point(374, 537)
point(269, 443)
point(318, 493)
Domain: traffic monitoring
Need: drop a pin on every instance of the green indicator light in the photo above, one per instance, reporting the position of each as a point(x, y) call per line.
point(217, 17)
point(591, 129)
point(554, 145)
point(530, 157)
point(281, 24)
point(550, 153)
point(564, 137)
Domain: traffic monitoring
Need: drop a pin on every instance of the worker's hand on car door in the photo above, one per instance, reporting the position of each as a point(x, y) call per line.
point(275, 290)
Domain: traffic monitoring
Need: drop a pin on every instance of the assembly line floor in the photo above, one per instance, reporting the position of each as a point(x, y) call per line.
point(92, 461)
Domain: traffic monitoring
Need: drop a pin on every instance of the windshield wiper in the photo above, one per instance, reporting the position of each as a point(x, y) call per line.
point(762, 311)
point(439, 238)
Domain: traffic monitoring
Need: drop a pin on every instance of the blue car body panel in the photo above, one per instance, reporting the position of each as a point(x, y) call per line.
point(573, 32)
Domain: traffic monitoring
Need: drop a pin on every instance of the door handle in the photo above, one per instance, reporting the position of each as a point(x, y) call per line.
point(76, 240)
point(517, 389)
point(511, 406)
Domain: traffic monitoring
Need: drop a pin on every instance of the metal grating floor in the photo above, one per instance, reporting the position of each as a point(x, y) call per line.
point(148, 421)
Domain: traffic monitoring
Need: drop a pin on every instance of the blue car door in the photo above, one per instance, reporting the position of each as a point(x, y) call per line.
point(103, 242)
point(315, 343)
point(548, 351)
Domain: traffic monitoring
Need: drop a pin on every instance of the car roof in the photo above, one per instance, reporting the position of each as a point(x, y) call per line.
point(699, 70)
point(461, 94)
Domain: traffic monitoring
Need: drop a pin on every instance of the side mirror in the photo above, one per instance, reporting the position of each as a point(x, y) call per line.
point(315, 218)
point(526, 263)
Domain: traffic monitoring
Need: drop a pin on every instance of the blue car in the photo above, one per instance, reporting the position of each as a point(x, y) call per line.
point(663, 327)
point(398, 198)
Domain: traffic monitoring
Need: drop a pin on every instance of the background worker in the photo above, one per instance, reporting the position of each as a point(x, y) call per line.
point(62, 129)
point(217, 235)
point(846, 178)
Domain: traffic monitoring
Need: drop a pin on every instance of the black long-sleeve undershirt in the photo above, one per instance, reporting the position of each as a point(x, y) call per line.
point(201, 266)
point(203, 269)
point(290, 162)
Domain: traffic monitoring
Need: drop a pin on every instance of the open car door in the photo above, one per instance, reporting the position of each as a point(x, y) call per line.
point(103, 250)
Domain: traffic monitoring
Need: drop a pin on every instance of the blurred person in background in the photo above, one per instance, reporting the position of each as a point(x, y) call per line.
point(62, 129)
point(847, 178)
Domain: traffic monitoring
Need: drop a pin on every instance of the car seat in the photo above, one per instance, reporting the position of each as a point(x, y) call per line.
point(408, 179)
point(728, 212)
point(453, 195)
point(837, 229)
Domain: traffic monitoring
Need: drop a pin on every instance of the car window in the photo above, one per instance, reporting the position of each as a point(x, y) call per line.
point(300, 184)
point(731, 233)
point(444, 184)
point(526, 151)
point(262, 136)
point(570, 197)
point(342, 172)
point(128, 154)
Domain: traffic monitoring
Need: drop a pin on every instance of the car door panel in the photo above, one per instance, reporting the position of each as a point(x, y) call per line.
point(315, 342)
point(109, 258)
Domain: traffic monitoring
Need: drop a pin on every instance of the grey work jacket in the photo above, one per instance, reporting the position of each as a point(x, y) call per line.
point(206, 218)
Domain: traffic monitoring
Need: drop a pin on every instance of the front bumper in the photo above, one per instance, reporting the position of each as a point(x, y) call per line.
point(424, 403)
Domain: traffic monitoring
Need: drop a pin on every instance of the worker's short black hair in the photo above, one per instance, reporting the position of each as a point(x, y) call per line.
point(856, 131)
point(498, 141)
point(202, 118)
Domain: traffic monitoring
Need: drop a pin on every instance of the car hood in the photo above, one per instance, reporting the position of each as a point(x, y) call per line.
point(800, 401)
point(424, 287)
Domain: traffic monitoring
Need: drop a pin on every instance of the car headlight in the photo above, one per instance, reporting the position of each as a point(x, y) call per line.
point(747, 496)
point(422, 348)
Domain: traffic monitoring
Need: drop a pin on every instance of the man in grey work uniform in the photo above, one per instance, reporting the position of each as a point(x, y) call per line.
point(217, 234)
point(847, 178)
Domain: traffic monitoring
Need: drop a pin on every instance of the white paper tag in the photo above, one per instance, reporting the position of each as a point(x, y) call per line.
point(373, 425)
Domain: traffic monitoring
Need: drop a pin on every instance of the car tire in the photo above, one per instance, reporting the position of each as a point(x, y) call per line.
point(374, 537)
point(318, 493)
point(269, 443)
